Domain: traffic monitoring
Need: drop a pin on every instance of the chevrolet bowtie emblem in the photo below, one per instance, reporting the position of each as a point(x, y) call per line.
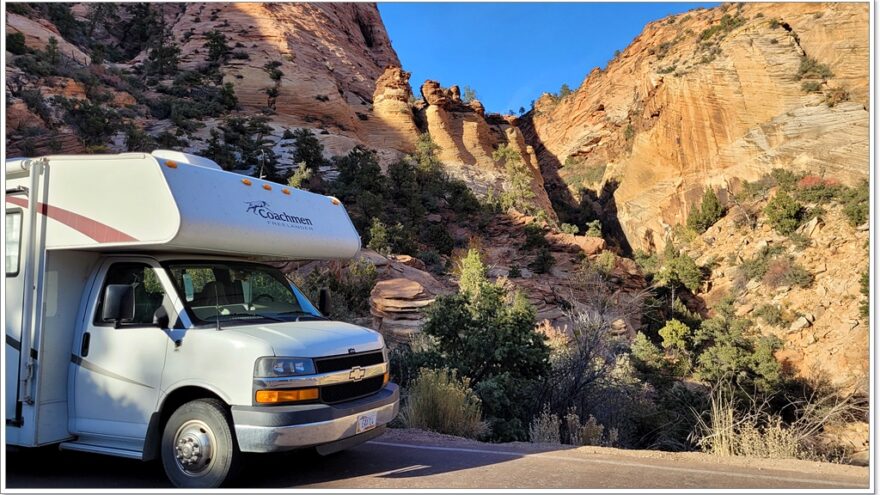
point(357, 374)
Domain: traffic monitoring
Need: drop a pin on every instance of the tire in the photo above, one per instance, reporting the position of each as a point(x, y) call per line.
point(198, 447)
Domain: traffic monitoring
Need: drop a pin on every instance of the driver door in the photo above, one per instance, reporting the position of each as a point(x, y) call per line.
point(118, 367)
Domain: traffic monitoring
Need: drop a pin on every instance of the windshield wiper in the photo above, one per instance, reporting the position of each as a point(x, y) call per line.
point(255, 315)
point(300, 313)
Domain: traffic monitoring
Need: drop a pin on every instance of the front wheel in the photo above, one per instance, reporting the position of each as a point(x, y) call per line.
point(198, 448)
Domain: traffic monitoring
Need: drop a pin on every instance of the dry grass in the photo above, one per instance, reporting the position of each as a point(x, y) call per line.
point(440, 401)
point(545, 427)
point(731, 428)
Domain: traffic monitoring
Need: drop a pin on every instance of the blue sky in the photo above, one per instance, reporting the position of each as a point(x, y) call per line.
point(511, 53)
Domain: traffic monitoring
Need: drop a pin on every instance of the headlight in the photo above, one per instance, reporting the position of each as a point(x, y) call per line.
point(274, 367)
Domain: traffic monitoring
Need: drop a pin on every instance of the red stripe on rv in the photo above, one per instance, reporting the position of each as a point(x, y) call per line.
point(96, 230)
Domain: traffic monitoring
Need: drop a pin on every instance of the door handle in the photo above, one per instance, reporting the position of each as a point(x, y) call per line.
point(84, 349)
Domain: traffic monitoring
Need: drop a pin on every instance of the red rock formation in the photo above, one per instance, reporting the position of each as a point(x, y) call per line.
point(679, 110)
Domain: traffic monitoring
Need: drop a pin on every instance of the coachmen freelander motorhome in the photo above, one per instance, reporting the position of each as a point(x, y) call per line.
point(141, 323)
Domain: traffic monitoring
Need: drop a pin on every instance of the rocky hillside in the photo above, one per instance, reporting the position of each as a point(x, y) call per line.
point(707, 99)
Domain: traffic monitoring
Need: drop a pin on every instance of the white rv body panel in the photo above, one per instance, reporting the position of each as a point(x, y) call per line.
point(141, 201)
point(101, 384)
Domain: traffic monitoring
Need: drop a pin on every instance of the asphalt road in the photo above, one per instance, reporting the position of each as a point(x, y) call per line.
point(408, 461)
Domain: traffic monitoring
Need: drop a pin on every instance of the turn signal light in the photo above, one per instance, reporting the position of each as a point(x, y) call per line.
point(279, 396)
point(386, 378)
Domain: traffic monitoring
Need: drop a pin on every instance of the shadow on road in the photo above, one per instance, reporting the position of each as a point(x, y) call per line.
point(50, 468)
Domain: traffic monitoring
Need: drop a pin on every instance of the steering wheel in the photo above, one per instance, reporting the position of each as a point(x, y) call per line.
point(264, 296)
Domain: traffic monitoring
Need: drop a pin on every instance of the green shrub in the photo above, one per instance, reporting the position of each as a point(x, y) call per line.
point(218, 49)
point(534, 237)
point(785, 272)
point(241, 142)
point(15, 43)
point(594, 229)
point(361, 186)
point(811, 86)
point(810, 68)
point(518, 188)
point(647, 355)
point(771, 314)
point(437, 236)
point(94, 123)
point(784, 213)
point(349, 288)
point(726, 348)
point(543, 261)
point(710, 211)
point(138, 140)
point(856, 204)
point(390, 239)
point(756, 267)
point(679, 269)
point(272, 69)
point(472, 273)
point(568, 228)
point(675, 335)
point(725, 25)
point(438, 400)
point(786, 180)
point(163, 55)
point(308, 149)
point(629, 132)
point(514, 272)
point(865, 289)
point(605, 262)
point(488, 335)
point(594, 173)
point(299, 176)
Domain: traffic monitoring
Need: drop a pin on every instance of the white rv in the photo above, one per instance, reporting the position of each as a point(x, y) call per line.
point(142, 322)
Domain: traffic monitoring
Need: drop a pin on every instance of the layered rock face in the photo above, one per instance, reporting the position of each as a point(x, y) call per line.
point(707, 99)
point(467, 137)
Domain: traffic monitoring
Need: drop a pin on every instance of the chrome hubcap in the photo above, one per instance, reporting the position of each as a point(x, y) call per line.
point(194, 447)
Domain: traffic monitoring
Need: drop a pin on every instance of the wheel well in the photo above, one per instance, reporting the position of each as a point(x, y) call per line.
point(172, 401)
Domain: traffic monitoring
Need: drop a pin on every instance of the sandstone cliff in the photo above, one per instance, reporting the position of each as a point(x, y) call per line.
point(709, 98)
point(327, 67)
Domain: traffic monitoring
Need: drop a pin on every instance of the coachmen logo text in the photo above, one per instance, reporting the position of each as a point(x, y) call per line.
point(283, 219)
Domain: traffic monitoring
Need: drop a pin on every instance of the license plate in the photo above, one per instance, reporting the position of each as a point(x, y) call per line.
point(366, 422)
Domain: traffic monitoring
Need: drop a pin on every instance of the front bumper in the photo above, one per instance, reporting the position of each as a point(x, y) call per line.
point(278, 428)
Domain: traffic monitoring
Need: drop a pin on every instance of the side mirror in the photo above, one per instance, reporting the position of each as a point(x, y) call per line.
point(160, 317)
point(324, 301)
point(118, 303)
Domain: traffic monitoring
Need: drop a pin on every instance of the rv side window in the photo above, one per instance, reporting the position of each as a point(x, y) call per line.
point(148, 291)
point(13, 242)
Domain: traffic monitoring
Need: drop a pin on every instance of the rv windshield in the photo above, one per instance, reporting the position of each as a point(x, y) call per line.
point(220, 292)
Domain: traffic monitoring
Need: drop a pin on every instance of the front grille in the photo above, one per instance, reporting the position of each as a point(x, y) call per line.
point(332, 394)
point(348, 361)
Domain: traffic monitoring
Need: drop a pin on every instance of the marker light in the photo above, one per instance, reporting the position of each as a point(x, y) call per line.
point(171, 164)
point(334, 201)
point(278, 396)
point(246, 182)
point(286, 191)
point(267, 187)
